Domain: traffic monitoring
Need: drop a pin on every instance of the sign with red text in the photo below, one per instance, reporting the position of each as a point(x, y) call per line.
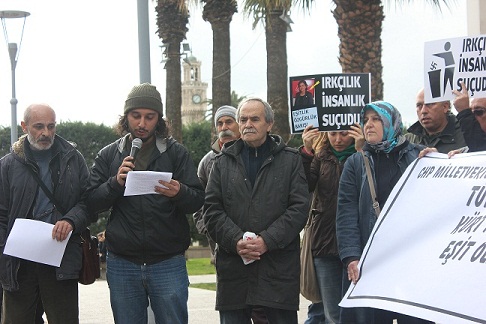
point(330, 102)
point(426, 256)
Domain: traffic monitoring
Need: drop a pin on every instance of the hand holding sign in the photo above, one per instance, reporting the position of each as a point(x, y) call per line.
point(309, 135)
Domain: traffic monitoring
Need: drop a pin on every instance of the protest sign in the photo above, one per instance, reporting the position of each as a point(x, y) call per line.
point(329, 102)
point(426, 256)
point(448, 62)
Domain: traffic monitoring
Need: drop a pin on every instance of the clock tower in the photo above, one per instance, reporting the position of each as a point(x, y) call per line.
point(194, 92)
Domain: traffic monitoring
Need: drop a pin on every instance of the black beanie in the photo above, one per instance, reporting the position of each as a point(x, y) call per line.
point(146, 96)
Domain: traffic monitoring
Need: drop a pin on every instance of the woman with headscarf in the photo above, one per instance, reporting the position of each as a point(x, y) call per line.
point(389, 154)
point(323, 157)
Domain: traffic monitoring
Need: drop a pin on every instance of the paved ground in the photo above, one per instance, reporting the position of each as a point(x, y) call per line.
point(94, 304)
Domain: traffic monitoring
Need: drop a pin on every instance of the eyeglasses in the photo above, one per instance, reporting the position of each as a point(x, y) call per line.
point(479, 111)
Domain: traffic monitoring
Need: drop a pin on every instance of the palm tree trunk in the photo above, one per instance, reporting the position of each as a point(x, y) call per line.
point(219, 13)
point(359, 29)
point(173, 90)
point(172, 18)
point(277, 71)
point(221, 91)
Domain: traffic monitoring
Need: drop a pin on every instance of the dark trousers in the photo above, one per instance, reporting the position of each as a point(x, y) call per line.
point(39, 312)
point(38, 281)
point(244, 316)
point(258, 315)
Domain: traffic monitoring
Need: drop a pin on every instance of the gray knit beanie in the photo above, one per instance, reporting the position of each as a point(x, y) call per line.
point(146, 96)
point(224, 111)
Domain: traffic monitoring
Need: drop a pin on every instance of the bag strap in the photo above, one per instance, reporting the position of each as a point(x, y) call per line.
point(309, 219)
point(376, 205)
point(48, 193)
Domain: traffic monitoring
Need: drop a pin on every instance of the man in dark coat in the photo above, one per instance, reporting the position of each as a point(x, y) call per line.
point(63, 171)
point(436, 126)
point(228, 130)
point(472, 117)
point(256, 205)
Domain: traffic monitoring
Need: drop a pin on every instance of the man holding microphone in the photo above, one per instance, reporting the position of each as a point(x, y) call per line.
point(146, 235)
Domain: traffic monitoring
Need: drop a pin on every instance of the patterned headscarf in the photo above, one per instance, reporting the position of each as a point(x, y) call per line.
point(392, 125)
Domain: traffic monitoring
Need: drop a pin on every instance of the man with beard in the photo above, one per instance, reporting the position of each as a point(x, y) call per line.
point(227, 128)
point(62, 169)
point(146, 235)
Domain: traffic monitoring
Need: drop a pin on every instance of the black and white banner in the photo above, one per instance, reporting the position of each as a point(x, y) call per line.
point(426, 256)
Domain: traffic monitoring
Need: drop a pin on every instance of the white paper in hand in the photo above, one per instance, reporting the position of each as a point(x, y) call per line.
point(247, 236)
point(32, 240)
point(144, 182)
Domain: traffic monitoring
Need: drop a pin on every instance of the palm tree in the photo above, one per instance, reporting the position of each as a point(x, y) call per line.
point(359, 29)
point(236, 99)
point(172, 19)
point(270, 13)
point(219, 13)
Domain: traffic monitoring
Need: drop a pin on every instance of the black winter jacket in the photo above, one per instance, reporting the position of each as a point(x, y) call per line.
point(146, 228)
point(474, 135)
point(18, 191)
point(275, 208)
point(449, 139)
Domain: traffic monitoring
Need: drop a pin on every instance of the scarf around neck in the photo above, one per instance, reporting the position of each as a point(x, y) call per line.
point(345, 153)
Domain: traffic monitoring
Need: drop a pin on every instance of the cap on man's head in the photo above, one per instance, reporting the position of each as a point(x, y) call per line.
point(144, 95)
point(224, 111)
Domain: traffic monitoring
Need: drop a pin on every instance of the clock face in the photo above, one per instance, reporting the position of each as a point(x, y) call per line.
point(196, 98)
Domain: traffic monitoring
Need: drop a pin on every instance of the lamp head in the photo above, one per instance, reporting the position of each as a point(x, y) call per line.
point(15, 28)
point(9, 14)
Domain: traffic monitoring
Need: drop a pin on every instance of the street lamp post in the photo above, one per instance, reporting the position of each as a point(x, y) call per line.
point(143, 40)
point(13, 52)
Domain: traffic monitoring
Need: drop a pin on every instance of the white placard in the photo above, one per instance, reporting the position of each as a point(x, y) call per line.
point(448, 62)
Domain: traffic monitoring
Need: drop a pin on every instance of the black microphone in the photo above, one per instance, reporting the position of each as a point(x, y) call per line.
point(136, 146)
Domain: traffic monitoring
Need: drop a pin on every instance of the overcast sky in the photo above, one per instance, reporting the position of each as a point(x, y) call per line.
point(82, 58)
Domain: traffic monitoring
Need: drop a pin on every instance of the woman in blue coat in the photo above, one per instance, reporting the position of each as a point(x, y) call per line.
point(389, 154)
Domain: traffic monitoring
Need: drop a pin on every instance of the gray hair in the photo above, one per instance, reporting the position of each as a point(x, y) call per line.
point(269, 115)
